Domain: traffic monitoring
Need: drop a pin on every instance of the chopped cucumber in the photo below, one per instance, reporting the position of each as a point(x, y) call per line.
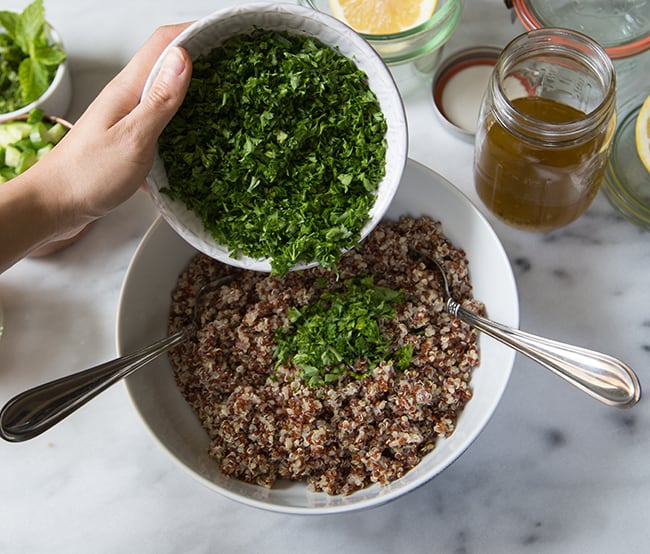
point(13, 132)
point(56, 132)
point(35, 116)
point(12, 156)
point(39, 135)
point(7, 173)
point(23, 143)
point(44, 150)
point(27, 160)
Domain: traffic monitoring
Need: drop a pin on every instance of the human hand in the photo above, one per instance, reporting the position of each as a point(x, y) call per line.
point(103, 160)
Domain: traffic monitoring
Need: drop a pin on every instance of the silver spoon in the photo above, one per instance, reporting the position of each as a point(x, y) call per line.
point(605, 378)
point(36, 410)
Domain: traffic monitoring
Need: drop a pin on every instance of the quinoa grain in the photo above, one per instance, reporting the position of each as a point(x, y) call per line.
point(265, 424)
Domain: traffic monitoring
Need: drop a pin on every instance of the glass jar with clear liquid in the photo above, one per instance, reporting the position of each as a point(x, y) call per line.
point(545, 129)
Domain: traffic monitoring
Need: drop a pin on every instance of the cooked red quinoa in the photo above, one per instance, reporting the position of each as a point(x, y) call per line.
point(265, 424)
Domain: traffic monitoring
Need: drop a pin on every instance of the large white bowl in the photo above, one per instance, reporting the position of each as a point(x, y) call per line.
point(142, 318)
point(213, 30)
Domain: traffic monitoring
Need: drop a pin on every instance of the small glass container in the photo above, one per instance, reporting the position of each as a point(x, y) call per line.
point(412, 44)
point(545, 129)
point(627, 180)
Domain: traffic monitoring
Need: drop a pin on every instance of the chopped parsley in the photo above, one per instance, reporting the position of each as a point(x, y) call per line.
point(327, 339)
point(28, 60)
point(279, 148)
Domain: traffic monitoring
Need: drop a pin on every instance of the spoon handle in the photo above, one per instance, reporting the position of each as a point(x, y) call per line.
point(34, 411)
point(600, 375)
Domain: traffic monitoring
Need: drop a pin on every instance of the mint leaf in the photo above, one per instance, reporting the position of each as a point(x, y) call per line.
point(49, 55)
point(30, 26)
point(33, 78)
point(9, 20)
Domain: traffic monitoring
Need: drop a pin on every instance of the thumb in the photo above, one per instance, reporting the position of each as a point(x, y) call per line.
point(166, 93)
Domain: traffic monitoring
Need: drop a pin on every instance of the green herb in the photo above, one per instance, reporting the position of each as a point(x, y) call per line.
point(28, 61)
point(279, 147)
point(327, 339)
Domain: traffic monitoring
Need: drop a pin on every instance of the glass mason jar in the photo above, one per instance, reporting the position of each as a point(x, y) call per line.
point(545, 128)
point(622, 28)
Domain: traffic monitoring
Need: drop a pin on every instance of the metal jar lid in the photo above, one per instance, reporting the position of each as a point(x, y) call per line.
point(459, 84)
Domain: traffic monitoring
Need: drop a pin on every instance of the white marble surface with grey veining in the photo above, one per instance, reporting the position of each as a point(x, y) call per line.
point(553, 472)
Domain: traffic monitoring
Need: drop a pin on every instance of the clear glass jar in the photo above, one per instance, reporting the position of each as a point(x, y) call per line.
point(414, 43)
point(545, 129)
point(623, 29)
point(627, 181)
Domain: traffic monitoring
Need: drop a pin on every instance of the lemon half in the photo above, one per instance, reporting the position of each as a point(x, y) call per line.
point(382, 17)
point(642, 133)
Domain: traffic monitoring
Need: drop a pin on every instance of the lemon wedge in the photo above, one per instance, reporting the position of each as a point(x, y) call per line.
point(642, 133)
point(382, 17)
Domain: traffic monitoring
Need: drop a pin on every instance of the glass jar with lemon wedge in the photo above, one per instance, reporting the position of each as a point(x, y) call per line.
point(642, 133)
point(628, 170)
point(401, 31)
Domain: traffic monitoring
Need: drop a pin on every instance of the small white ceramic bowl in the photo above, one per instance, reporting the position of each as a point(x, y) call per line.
point(142, 319)
point(56, 99)
point(213, 30)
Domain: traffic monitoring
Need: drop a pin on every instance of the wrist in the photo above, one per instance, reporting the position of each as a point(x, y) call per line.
point(26, 221)
point(33, 213)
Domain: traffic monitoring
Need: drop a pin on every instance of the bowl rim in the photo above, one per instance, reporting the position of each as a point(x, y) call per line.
point(397, 149)
point(53, 118)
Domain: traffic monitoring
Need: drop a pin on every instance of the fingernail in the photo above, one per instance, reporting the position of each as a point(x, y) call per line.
point(173, 64)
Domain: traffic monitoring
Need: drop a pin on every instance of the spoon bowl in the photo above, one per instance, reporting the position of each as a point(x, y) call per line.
point(36, 410)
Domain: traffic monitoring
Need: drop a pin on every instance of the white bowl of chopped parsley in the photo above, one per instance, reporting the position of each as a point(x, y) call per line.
point(290, 144)
point(34, 71)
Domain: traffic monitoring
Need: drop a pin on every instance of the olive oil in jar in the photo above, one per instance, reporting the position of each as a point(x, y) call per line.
point(545, 129)
point(532, 186)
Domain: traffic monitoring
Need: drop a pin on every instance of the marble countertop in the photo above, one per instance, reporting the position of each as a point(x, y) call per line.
point(554, 471)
